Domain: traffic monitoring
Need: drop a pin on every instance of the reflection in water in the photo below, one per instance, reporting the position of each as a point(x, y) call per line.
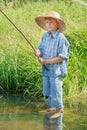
point(52, 124)
point(22, 113)
point(18, 113)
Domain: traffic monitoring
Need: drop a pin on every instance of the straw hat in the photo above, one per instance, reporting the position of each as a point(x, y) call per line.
point(40, 20)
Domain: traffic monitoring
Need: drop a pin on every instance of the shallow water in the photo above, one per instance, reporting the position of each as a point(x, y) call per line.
point(18, 113)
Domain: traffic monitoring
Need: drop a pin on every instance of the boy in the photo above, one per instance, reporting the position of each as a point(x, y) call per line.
point(53, 52)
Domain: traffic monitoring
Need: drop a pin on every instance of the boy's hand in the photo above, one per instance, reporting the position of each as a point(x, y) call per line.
point(37, 53)
point(41, 60)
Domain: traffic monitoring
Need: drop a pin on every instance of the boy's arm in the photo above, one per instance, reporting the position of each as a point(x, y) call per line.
point(51, 61)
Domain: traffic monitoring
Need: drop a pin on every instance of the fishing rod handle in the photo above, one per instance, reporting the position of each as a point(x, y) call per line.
point(45, 67)
point(39, 55)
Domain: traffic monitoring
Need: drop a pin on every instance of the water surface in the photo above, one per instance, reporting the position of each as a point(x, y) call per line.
point(22, 113)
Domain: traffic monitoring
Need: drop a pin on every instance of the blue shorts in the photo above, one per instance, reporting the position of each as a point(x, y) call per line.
point(52, 87)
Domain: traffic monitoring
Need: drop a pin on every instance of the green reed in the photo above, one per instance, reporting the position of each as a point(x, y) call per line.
point(20, 71)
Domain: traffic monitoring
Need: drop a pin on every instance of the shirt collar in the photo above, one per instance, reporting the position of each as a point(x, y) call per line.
point(53, 35)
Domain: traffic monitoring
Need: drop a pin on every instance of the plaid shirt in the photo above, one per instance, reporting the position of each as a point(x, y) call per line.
point(55, 45)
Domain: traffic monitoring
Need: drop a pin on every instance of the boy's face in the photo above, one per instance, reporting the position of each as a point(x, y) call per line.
point(51, 24)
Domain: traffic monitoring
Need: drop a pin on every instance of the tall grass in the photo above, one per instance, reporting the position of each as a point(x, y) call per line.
point(20, 71)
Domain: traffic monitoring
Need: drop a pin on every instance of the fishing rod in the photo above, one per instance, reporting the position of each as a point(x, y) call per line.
point(20, 33)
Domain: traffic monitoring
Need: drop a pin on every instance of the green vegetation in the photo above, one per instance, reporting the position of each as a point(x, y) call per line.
point(20, 71)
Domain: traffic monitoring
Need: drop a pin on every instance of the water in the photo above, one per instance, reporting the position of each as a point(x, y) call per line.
point(18, 113)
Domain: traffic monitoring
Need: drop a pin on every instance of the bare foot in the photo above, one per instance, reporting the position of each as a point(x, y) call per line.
point(50, 109)
point(57, 113)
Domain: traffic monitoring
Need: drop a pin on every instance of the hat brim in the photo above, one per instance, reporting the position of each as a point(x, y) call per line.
point(41, 22)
